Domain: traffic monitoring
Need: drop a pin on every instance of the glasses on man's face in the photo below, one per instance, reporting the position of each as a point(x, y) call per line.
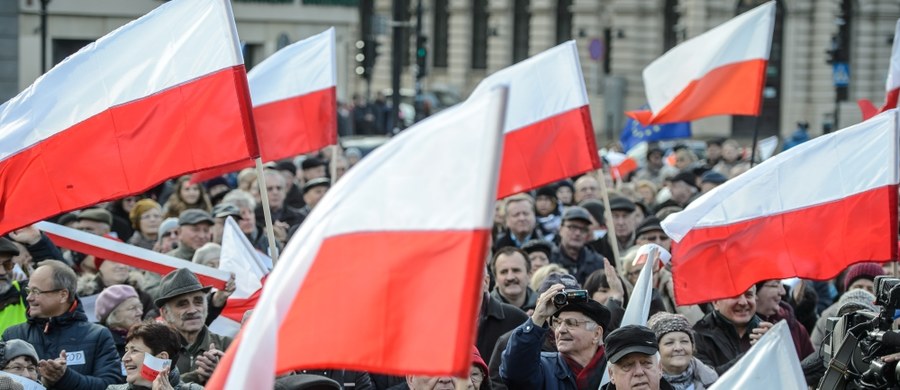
point(656, 238)
point(577, 228)
point(570, 323)
point(20, 368)
point(36, 292)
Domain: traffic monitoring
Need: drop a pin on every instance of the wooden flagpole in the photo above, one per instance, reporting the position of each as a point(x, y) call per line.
point(267, 213)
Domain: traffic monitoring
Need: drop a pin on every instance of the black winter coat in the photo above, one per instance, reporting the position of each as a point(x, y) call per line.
point(496, 319)
point(93, 362)
point(718, 344)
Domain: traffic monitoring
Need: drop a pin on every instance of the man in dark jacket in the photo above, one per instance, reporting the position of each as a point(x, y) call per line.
point(572, 253)
point(183, 305)
point(578, 330)
point(521, 223)
point(512, 271)
point(723, 335)
point(57, 323)
point(496, 319)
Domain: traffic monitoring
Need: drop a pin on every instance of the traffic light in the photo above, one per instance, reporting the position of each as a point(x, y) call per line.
point(421, 56)
point(367, 52)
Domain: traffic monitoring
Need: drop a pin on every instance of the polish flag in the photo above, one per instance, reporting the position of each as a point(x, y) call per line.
point(120, 252)
point(294, 102)
point(159, 97)
point(621, 165)
point(250, 268)
point(808, 212)
point(548, 131)
point(386, 273)
point(719, 72)
point(892, 87)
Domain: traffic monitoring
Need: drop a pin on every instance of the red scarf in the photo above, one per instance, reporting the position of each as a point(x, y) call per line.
point(583, 374)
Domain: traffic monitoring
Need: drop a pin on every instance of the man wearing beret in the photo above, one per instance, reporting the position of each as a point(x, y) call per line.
point(633, 362)
point(183, 305)
point(578, 329)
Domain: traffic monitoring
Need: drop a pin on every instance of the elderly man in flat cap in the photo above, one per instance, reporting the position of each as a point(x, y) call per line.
point(633, 363)
point(183, 305)
point(578, 329)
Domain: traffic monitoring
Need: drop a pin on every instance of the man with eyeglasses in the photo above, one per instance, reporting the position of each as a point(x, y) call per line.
point(770, 307)
point(578, 329)
point(74, 353)
point(572, 252)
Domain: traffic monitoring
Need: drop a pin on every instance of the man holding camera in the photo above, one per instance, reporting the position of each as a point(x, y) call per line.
point(578, 324)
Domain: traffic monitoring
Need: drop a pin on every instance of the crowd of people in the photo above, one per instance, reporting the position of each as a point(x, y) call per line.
point(554, 239)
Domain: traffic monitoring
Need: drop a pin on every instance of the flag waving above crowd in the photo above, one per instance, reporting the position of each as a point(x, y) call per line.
point(398, 268)
point(549, 135)
point(294, 101)
point(808, 212)
point(127, 112)
point(719, 72)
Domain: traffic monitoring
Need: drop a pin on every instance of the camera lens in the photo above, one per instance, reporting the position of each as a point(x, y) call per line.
point(560, 299)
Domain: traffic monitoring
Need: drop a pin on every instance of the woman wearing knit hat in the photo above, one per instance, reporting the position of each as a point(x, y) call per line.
point(676, 349)
point(145, 216)
point(119, 308)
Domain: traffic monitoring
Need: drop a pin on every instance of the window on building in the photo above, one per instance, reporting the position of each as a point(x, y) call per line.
point(563, 20)
point(479, 34)
point(63, 48)
point(441, 34)
point(253, 54)
point(521, 29)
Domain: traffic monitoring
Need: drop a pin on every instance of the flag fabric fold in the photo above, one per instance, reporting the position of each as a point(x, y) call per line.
point(892, 86)
point(719, 72)
point(294, 102)
point(120, 252)
point(638, 310)
point(548, 133)
point(771, 363)
point(390, 262)
point(808, 212)
point(134, 108)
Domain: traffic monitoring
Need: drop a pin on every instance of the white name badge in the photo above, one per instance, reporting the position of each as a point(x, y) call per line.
point(74, 358)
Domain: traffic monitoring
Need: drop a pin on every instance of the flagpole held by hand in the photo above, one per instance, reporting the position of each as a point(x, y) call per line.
point(264, 197)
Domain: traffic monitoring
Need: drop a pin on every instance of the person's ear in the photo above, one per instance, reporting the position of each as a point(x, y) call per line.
point(163, 355)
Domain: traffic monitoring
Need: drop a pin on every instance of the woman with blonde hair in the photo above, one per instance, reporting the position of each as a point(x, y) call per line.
point(187, 196)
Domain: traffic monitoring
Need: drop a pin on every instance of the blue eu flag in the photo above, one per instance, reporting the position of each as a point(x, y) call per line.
point(634, 133)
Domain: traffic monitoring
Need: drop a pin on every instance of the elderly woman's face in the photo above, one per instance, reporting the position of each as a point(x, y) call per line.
point(675, 351)
point(127, 314)
point(22, 366)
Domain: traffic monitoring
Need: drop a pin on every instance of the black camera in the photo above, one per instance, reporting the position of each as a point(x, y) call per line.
point(856, 340)
point(566, 297)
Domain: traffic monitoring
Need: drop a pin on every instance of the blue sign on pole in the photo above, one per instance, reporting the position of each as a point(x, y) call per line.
point(841, 73)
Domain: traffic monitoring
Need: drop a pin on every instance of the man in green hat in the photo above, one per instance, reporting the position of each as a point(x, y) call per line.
point(183, 305)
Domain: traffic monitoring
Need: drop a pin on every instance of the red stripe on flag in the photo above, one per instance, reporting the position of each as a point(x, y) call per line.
point(387, 296)
point(734, 89)
point(816, 242)
point(890, 100)
point(124, 258)
point(297, 125)
point(236, 307)
point(287, 128)
point(128, 149)
point(555, 148)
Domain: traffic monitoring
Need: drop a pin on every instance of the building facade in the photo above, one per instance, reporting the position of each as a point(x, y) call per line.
point(469, 39)
point(618, 38)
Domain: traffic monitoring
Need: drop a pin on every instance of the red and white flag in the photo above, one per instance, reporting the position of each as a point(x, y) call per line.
point(621, 165)
point(385, 275)
point(720, 72)
point(892, 86)
point(549, 135)
point(120, 252)
point(159, 97)
point(808, 212)
point(294, 102)
point(249, 267)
